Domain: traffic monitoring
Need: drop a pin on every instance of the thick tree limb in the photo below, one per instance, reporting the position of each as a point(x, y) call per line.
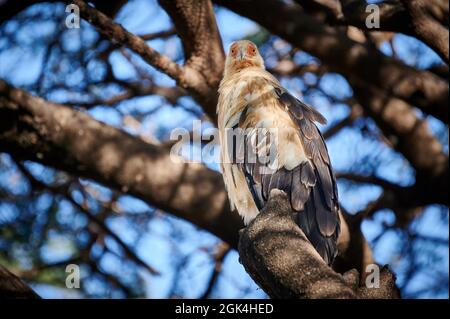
point(427, 28)
point(196, 25)
point(419, 88)
point(11, 287)
point(408, 134)
point(195, 22)
point(417, 20)
point(278, 256)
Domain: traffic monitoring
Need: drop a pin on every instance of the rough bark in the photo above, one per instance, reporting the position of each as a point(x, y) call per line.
point(279, 257)
point(426, 27)
point(196, 26)
point(408, 134)
point(11, 287)
point(425, 20)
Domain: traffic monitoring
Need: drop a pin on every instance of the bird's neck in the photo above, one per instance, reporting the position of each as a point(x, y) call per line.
point(233, 72)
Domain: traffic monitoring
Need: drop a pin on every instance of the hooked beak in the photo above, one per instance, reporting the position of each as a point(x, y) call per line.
point(241, 54)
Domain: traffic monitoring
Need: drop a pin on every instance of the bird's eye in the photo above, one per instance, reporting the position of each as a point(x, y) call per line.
point(251, 50)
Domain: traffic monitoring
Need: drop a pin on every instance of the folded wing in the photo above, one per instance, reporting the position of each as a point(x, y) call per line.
point(301, 167)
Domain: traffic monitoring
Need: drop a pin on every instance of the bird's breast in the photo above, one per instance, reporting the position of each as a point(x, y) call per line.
point(250, 102)
point(245, 93)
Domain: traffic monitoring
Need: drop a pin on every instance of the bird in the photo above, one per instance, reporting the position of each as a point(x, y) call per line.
point(269, 140)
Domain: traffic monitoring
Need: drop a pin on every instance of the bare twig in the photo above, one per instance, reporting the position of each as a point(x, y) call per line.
point(222, 251)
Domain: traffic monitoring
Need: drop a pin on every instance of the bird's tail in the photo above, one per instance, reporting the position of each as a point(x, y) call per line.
point(326, 246)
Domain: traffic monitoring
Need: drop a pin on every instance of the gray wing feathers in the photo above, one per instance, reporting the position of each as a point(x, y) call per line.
point(311, 186)
point(316, 203)
point(299, 109)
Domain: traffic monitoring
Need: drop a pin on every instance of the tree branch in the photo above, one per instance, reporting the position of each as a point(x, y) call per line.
point(355, 112)
point(394, 17)
point(375, 180)
point(11, 287)
point(195, 20)
point(408, 134)
point(219, 256)
point(171, 94)
point(426, 28)
point(279, 257)
point(117, 34)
